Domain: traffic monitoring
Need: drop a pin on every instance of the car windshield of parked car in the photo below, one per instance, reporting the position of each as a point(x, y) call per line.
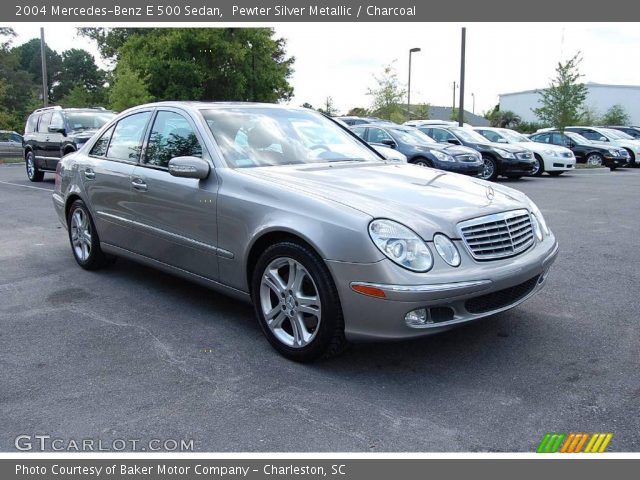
point(469, 135)
point(88, 120)
point(412, 136)
point(264, 136)
point(515, 136)
point(577, 138)
point(617, 134)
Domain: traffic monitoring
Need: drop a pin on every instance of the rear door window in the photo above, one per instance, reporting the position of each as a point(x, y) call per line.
point(126, 141)
point(32, 124)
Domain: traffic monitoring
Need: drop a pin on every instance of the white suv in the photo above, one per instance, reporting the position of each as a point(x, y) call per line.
point(553, 159)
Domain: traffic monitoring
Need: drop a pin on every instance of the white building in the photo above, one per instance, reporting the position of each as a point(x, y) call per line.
point(599, 99)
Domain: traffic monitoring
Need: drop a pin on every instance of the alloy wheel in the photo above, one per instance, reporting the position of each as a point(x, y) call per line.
point(31, 168)
point(594, 160)
point(488, 170)
point(290, 302)
point(81, 234)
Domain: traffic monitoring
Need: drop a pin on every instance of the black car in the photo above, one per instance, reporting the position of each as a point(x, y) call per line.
point(52, 132)
point(420, 149)
point(632, 131)
point(499, 159)
point(585, 150)
point(352, 120)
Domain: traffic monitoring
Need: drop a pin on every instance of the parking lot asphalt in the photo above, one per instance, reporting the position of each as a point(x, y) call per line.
point(131, 353)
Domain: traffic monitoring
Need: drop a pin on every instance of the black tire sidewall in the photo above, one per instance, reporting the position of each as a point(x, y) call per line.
point(540, 167)
point(95, 259)
point(37, 174)
point(331, 323)
point(495, 167)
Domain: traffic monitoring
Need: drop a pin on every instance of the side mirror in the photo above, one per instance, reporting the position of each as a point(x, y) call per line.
point(53, 129)
point(389, 143)
point(604, 139)
point(453, 141)
point(189, 167)
point(502, 140)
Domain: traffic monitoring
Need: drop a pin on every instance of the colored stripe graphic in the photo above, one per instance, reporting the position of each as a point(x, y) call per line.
point(552, 442)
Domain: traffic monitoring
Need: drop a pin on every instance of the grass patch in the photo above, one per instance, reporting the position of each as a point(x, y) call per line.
point(584, 165)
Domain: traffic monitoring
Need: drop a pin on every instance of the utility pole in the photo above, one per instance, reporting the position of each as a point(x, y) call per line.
point(413, 50)
point(454, 96)
point(43, 55)
point(462, 54)
point(473, 97)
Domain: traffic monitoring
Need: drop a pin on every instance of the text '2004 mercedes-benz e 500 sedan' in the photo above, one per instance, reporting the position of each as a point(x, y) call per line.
point(287, 209)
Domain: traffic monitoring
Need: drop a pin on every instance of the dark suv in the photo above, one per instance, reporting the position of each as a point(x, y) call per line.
point(499, 159)
point(52, 132)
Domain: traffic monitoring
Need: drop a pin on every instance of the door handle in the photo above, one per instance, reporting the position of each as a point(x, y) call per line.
point(46, 139)
point(89, 174)
point(139, 184)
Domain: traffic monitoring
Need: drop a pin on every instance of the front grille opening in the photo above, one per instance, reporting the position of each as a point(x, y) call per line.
point(498, 236)
point(501, 298)
point(441, 314)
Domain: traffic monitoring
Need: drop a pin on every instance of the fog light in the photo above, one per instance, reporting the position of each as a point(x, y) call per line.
point(417, 317)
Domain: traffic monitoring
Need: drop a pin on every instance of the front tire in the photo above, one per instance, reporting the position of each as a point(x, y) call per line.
point(490, 170)
point(422, 162)
point(296, 303)
point(83, 236)
point(595, 160)
point(33, 173)
point(538, 168)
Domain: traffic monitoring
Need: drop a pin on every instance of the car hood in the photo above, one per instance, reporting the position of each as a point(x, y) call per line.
point(542, 147)
point(425, 199)
point(451, 149)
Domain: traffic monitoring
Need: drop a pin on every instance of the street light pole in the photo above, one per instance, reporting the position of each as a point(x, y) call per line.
point(462, 55)
point(473, 108)
point(413, 50)
point(454, 95)
point(43, 57)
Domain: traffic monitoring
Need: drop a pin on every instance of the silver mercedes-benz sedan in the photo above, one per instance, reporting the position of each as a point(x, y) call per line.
point(289, 210)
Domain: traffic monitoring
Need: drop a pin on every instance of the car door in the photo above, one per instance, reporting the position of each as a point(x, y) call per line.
point(42, 137)
point(106, 174)
point(15, 145)
point(175, 217)
point(53, 140)
point(5, 147)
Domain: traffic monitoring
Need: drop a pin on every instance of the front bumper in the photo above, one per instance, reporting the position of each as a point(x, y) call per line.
point(614, 162)
point(463, 293)
point(465, 168)
point(510, 167)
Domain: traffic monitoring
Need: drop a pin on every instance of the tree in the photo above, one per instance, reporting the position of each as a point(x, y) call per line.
point(79, 69)
point(128, 90)
point(307, 105)
point(562, 103)
point(202, 63)
point(358, 112)
point(588, 116)
point(387, 95)
point(504, 119)
point(78, 96)
point(420, 111)
point(616, 115)
point(329, 107)
point(30, 61)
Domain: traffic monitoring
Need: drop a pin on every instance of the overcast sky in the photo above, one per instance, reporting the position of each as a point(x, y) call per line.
point(339, 60)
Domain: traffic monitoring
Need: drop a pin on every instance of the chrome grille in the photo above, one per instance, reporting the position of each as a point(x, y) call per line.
point(497, 236)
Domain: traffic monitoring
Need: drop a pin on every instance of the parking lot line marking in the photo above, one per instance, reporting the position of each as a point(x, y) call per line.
point(26, 186)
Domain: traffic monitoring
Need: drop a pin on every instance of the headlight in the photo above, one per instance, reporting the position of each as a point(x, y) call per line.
point(443, 157)
point(615, 153)
point(504, 153)
point(446, 249)
point(535, 225)
point(537, 218)
point(551, 153)
point(401, 245)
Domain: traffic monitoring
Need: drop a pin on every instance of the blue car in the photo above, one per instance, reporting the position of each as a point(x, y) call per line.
point(420, 149)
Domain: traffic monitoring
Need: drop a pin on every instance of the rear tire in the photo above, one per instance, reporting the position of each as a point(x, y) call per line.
point(83, 236)
point(33, 173)
point(297, 303)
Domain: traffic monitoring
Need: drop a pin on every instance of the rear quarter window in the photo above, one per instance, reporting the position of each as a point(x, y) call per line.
point(32, 124)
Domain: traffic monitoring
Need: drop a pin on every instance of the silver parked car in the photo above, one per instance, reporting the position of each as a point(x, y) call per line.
point(287, 209)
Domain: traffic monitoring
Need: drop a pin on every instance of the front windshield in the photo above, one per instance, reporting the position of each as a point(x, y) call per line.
point(514, 136)
point(469, 135)
point(88, 120)
point(266, 136)
point(577, 138)
point(617, 134)
point(412, 136)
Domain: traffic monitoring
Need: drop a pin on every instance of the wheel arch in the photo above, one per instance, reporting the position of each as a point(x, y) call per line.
point(268, 238)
